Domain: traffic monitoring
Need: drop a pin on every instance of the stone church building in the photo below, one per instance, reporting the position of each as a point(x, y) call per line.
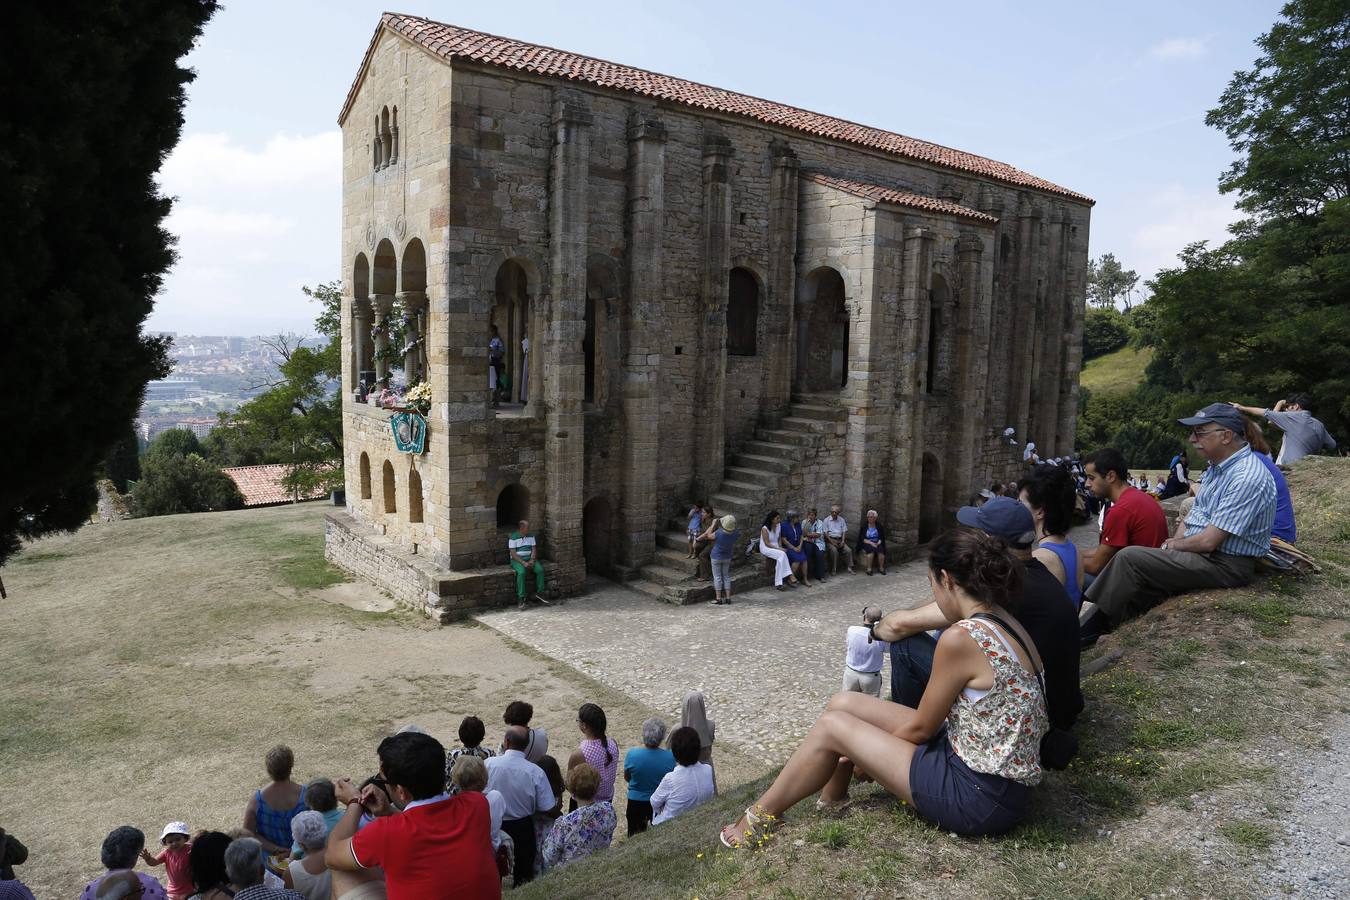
point(723, 298)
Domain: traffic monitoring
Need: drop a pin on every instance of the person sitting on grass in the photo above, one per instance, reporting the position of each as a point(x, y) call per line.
point(471, 734)
point(320, 798)
point(310, 875)
point(270, 810)
point(872, 544)
point(119, 852)
point(1283, 527)
point(522, 551)
point(688, 784)
point(584, 830)
point(1048, 493)
point(519, 712)
point(206, 863)
point(245, 863)
point(643, 769)
point(968, 756)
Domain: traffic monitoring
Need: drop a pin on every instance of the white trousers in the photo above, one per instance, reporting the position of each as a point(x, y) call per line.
point(782, 568)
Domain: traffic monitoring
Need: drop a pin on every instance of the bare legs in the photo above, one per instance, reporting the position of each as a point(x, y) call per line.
point(861, 729)
point(878, 558)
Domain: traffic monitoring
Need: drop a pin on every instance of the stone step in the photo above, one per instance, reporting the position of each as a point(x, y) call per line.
point(786, 436)
point(798, 423)
point(815, 411)
point(745, 490)
point(751, 475)
point(738, 506)
point(672, 540)
point(674, 559)
point(775, 464)
point(664, 574)
point(651, 589)
point(773, 450)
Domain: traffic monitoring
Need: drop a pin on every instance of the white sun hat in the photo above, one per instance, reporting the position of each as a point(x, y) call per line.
point(175, 828)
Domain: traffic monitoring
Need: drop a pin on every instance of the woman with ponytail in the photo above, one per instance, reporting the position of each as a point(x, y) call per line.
point(596, 748)
point(968, 756)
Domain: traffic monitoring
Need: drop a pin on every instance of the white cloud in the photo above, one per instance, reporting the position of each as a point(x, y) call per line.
point(254, 223)
point(1180, 48)
point(1175, 217)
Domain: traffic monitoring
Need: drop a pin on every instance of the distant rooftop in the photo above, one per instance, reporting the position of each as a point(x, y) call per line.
point(261, 485)
point(454, 44)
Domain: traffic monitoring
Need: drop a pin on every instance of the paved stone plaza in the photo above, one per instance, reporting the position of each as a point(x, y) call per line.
point(766, 664)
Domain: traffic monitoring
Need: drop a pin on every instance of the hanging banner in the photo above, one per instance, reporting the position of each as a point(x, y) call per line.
point(410, 432)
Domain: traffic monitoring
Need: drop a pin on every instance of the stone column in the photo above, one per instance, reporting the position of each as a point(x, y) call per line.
point(710, 386)
point(1053, 333)
point(968, 382)
point(563, 389)
point(909, 400)
point(776, 307)
point(1075, 299)
point(1024, 320)
point(414, 304)
point(382, 304)
point(360, 346)
point(638, 512)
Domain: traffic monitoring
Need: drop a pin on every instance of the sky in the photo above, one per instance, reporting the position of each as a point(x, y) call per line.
point(1106, 99)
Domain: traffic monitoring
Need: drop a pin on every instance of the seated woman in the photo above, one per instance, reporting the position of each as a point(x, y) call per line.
point(270, 810)
point(688, 785)
point(586, 829)
point(872, 544)
point(770, 547)
point(791, 539)
point(969, 755)
point(1284, 527)
point(1049, 493)
point(310, 876)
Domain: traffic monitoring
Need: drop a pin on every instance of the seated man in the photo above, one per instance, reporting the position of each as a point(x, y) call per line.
point(521, 548)
point(1046, 613)
point(1216, 544)
point(1133, 519)
point(836, 541)
point(1303, 434)
point(428, 843)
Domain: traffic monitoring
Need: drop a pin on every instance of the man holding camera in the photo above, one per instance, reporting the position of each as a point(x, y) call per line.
point(1303, 434)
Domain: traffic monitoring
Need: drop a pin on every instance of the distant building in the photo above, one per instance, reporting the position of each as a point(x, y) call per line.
point(175, 387)
point(261, 485)
point(199, 426)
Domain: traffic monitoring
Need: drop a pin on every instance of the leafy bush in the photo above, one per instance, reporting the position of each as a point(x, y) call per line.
point(183, 484)
point(1104, 331)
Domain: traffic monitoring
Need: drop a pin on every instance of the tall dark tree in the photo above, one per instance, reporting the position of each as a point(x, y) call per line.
point(93, 96)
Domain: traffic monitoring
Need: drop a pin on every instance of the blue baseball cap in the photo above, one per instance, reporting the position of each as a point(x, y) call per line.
point(1002, 517)
point(1221, 414)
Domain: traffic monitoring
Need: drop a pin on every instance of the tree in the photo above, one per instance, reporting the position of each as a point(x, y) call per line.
point(173, 484)
point(1108, 282)
point(172, 442)
point(123, 464)
point(298, 420)
point(1105, 330)
point(93, 102)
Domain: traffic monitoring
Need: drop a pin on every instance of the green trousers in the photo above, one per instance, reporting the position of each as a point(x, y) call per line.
point(520, 578)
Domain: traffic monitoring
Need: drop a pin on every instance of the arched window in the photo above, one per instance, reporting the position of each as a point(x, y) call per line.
point(390, 498)
point(377, 152)
point(602, 290)
point(414, 496)
point(742, 313)
point(365, 476)
point(513, 504)
point(823, 358)
point(386, 139)
point(393, 132)
point(412, 284)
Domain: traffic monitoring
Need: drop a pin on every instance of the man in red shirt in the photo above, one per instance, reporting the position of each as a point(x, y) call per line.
point(1134, 520)
point(429, 844)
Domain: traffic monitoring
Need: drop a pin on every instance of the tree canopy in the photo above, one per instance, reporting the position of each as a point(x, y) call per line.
point(176, 479)
point(93, 103)
point(1108, 282)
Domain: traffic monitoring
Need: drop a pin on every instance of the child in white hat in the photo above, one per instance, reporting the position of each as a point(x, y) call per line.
point(177, 842)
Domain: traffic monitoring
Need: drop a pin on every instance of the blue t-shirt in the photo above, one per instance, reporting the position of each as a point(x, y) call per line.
point(1284, 527)
point(723, 543)
point(648, 766)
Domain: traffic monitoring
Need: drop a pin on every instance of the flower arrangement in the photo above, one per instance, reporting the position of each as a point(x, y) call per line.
point(419, 397)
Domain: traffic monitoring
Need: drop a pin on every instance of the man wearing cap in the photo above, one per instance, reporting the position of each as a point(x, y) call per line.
point(1303, 434)
point(1216, 544)
point(1046, 612)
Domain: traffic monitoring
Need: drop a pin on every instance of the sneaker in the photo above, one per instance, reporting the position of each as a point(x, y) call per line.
point(520, 604)
point(540, 599)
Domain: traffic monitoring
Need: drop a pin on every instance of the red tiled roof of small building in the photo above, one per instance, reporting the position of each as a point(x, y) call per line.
point(899, 198)
point(452, 43)
point(261, 485)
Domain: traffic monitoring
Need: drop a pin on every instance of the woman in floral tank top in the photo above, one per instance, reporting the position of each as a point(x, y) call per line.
point(596, 748)
point(968, 757)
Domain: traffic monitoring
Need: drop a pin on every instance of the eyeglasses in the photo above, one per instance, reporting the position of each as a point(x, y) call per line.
point(1201, 432)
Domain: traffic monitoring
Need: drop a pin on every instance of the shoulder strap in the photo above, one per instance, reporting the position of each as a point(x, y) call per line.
point(1040, 676)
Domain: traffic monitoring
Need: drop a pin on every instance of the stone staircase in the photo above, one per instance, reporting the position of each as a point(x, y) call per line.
point(750, 480)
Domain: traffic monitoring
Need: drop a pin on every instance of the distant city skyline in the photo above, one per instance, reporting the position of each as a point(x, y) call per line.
point(1109, 105)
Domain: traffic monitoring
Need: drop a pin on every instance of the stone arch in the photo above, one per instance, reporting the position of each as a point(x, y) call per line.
point(599, 342)
point(513, 504)
point(362, 362)
point(365, 475)
point(512, 313)
point(930, 499)
point(384, 270)
point(388, 488)
point(412, 282)
point(413, 266)
point(597, 523)
point(822, 363)
point(361, 277)
point(743, 301)
point(414, 496)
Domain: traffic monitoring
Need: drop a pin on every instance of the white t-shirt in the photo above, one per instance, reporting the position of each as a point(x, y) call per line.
point(862, 656)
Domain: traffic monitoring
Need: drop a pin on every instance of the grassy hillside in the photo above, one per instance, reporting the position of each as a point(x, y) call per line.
point(1176, 791)
point(1116, 373)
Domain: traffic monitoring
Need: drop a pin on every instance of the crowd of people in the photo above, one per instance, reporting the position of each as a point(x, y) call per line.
point(430, 822)
point(984, 695)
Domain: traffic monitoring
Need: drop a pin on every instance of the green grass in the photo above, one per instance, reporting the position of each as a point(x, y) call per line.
point(1251, 835)
point(1116, 373)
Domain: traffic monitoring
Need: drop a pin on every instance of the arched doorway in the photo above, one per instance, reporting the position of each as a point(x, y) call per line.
point(414, 496)
point(365, 476)
point(596, 524)
point(388, 489)
point(742, 313)
point(513, 504)
point(822, 363)
point(930, 499)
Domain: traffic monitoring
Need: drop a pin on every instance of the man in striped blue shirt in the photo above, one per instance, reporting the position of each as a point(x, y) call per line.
point(1217, 544)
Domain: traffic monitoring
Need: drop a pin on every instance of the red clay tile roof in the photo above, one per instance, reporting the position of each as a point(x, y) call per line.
point(452, 43)
point(899, 198)
point(261, 485)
